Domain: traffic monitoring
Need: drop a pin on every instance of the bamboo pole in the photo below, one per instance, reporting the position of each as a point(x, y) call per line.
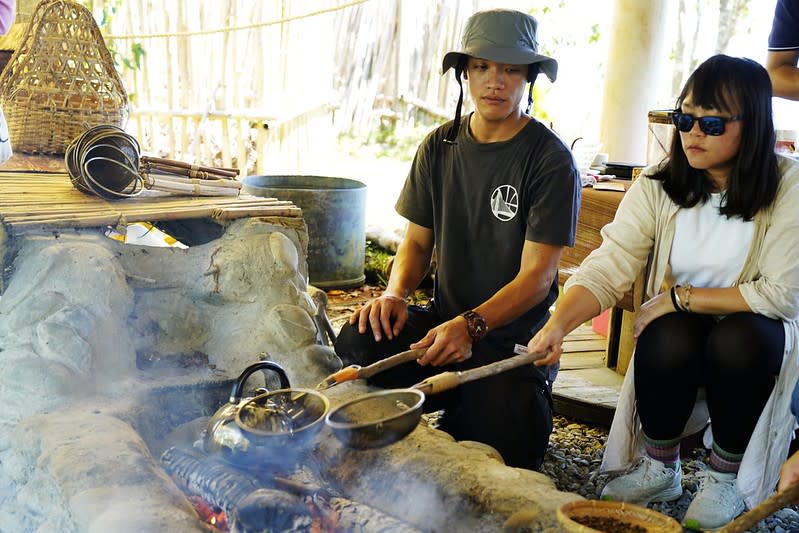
point(17, 215)
point(112, 219)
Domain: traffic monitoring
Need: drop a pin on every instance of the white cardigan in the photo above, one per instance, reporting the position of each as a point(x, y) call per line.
point(640, 237)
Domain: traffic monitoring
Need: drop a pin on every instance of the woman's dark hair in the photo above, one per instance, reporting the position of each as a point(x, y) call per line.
point(739, 86)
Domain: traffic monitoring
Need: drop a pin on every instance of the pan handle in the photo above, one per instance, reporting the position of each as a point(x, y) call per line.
point(450, 380)
point(391, 362)
point(353, 372)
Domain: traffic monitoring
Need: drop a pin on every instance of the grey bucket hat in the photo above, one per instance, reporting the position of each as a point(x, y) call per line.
point(504, 36)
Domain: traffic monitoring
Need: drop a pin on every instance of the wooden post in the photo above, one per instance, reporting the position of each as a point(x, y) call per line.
point(635, 54)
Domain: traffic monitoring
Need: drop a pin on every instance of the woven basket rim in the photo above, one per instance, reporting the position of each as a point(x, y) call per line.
point(652, 521)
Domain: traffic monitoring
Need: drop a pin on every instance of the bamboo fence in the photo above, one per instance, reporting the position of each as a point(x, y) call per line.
point(267, 86)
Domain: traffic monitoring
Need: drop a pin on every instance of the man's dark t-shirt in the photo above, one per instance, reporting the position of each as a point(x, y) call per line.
point(785, 26)
point(482, 202)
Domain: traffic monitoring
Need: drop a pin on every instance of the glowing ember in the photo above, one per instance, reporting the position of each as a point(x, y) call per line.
point(209, 514)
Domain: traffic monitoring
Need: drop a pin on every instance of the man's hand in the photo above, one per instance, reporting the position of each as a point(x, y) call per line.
point(651, 309)
point(386, 315)
point(446, 343)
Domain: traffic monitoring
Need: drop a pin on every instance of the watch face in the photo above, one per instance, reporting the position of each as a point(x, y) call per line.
point(476, 325)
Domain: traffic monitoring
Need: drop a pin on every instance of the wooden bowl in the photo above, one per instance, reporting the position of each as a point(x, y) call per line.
point(596, 516)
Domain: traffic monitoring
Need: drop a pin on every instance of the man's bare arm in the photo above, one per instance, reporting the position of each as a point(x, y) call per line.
point(782, 69)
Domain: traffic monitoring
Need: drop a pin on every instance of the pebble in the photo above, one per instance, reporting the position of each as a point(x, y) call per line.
point(575, 453)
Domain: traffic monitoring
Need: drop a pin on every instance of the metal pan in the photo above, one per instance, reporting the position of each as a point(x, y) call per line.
point(381, 418)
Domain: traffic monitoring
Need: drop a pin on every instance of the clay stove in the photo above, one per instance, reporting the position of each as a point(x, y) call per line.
point(84, 426)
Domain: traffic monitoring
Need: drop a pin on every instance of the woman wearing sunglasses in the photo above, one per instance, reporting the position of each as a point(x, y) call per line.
point(715, 228)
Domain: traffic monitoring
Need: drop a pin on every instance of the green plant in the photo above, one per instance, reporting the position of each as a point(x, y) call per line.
point(124, 59)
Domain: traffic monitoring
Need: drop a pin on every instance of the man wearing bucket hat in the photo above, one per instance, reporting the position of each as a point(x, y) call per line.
point(496, 194)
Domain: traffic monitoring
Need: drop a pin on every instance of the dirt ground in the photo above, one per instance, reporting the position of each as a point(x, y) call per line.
point(342, 303)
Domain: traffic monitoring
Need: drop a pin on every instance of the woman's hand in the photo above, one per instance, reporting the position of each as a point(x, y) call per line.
point(386, 315)
point(789, 473)
point(650, 310)
point(548, 339)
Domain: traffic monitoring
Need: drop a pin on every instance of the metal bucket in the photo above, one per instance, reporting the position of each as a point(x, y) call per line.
point(334, 210)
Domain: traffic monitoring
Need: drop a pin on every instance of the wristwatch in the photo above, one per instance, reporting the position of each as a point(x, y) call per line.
point(476, 325)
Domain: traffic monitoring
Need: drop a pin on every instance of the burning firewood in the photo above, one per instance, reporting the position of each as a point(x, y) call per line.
point(260, 511)
point(268, 510)
point(356, 517)
point(214, 481)
point(282, 505)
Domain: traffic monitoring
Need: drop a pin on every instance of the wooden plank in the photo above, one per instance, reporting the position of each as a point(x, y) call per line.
point(588, 394)
point(585, 345)
point(576, 360)
point(584, 334)
point(592, 385)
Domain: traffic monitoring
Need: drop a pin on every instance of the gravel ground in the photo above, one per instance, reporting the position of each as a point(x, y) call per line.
point(574, 456)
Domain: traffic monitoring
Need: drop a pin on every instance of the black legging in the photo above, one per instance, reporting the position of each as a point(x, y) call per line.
point(736, 359)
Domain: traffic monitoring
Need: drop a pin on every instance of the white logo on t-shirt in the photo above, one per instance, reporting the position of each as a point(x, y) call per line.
point(505, 202)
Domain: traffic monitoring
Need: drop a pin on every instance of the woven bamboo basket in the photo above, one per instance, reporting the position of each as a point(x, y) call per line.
point(596, 516)
point(60, 81)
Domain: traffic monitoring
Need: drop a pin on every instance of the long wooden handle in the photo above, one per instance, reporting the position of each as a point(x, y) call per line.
point(231, 172)
point(353, 372)
point(763, 510)
point(391, 362)
point(450, 380)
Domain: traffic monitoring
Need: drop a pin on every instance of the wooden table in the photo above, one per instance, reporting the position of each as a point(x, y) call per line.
point(597, 209)
point(37, 196)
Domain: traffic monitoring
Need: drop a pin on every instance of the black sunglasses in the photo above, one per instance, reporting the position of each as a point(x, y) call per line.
point(709, 125)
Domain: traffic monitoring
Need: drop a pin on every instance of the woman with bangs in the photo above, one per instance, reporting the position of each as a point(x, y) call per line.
point(714, 226)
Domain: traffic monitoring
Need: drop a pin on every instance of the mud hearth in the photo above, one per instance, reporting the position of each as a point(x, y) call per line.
point(115, 356)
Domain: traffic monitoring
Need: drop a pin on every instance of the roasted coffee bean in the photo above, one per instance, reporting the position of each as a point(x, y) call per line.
point(608, 524)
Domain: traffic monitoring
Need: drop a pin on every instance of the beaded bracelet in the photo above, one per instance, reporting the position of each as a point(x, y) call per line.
point(677, 301)
point(687, 303)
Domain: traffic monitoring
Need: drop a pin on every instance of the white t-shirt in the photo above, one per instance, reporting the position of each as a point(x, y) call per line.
point(709, 249)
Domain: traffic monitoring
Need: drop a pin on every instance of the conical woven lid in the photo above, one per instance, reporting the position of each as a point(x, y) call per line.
point(60, 81)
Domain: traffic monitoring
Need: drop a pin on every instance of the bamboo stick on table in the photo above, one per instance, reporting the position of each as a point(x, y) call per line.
point(188, 188)
point(181, 164)
point(216, 182)
point(242, 212)
point(160, 168)
point(7, 211)
point(17, 218)
point(29, 226)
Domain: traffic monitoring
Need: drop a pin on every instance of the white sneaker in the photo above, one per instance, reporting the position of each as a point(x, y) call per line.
point(647, 481)
point(716, 504)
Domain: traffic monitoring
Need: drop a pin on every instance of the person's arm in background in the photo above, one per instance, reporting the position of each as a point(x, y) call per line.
point(7, 14)
point(784, 74)
point(783, 50)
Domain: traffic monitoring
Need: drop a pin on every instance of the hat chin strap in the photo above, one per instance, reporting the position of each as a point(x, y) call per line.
point(529, 100)
point(452, 134)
